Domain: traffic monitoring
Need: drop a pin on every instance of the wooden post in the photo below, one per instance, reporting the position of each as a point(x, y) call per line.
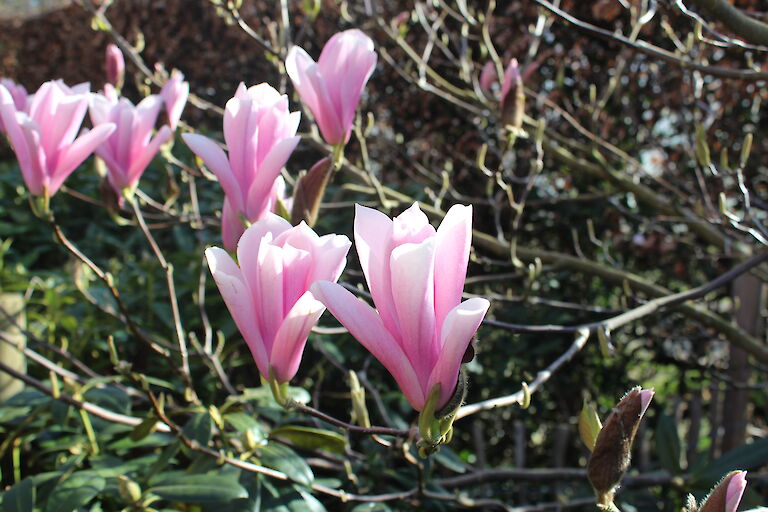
point(12, 322)
point(747, 289)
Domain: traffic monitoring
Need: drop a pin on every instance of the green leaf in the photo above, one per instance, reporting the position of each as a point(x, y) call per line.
point(292, 500)
point(199, 488)
point(746, 457)
point(245, 423)
point(589, 425)
point(20, 497)
point(282, 458)
point(448, 459)
point(372, 507)
point(263, 396)
point(310, 438)
point(668, 444)
point(143, 429)
point(75, 492)
point(199, 428)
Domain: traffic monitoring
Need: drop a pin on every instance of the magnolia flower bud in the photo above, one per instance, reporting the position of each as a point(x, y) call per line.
point(512, 101)
point(115, 66)
point(726, 496)
point(308, 192)
point(611, 454)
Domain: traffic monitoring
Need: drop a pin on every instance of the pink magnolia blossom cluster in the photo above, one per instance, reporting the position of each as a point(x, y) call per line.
point(132, 146)
point(43, 132)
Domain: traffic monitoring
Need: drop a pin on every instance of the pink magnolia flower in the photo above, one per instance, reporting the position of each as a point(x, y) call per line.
point(261, 134)
point(420, 329)
point(44, 134)
point(114, 65)
point(268, 295)
point(331, 88)
point(131, 147)
point(175, 93)
point(726, 496)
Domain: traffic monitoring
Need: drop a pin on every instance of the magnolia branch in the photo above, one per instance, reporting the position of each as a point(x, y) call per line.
point(88, 407)
point(752, 30)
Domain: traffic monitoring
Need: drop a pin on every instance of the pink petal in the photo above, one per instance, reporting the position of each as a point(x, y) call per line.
point(269, 170)
point(365, 325)
point(326, 113)
point(452, 243)
point(99, 109)
point(76, 153)
point(460, 325)
point(373, 240)
point(34, 169)
point(237, 117)
point(412, 267)
point(292, 336)
point(238, 299)
point(232, 227)
point(735, 491)
point(28, 153)
point(296, 65)
point(262, 266)
point(411, 226)
point(145, 117)
point(297, 267)
point(645, 400)
point(331, 258)
point(145, 157)
point(216, 160)
point(63, 127)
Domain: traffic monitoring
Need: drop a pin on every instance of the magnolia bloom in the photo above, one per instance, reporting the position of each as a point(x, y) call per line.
point(114, 66)
point(331, 88)
point(19, 95)
point(131, 147)
point(44, 135)
point(261, 134)
point(420, 329)
point(268, 295)
point(727, 495)
point(175, 93)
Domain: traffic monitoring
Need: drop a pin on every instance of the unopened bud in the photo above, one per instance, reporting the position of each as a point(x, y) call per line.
point(115, 66)
point(308, 192)
point(129, 490)
point(726, 496)
point(512, 101)
point(611, 454)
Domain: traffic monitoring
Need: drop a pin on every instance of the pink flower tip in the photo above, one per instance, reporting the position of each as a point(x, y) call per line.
point(115, 65)
point(175, 93)
point(736, 486)
point(646, 395)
